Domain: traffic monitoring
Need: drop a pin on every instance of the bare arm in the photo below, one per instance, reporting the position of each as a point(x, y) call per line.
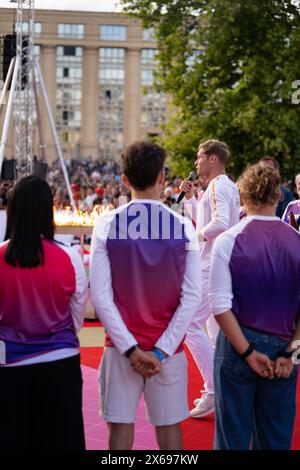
point(283, 366)
point(232, 330)
point(259, 363)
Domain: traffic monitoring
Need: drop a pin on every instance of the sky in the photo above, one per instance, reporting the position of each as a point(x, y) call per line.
point(86, 5)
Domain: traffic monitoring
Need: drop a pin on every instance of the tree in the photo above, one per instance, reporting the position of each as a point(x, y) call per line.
point(229, 68)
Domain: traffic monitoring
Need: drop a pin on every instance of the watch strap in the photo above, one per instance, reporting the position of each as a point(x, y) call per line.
point(131, 350)
point(248, 351)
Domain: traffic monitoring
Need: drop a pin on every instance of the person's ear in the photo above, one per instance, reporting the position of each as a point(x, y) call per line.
point(125, 181)
point(162, 176)
point(212, 159)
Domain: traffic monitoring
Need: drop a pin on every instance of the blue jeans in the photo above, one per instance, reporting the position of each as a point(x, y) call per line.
point(252, 412)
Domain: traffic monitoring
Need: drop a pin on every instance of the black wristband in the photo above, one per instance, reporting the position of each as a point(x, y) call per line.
point(248, 351)
point(130, 350)
point(285, 354)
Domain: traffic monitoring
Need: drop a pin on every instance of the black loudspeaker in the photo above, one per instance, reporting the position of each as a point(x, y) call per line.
point(39, 169)
point(8, 50)
point(8, 170)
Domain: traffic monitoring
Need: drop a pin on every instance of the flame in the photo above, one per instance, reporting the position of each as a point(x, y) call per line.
point(68, 217)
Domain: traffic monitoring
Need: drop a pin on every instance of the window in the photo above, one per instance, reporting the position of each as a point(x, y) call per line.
point(148, 34)
point(37, 29)
point(69, 97)
point(25, 27)
point(70, 30)
point(36, 50)
point(113, 33)
point(147, 66)
point(111, 101)
point(195, 57)
point(70, 51)
point(153, 103)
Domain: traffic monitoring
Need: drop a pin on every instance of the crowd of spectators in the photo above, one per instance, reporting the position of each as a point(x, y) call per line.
point(98, 183)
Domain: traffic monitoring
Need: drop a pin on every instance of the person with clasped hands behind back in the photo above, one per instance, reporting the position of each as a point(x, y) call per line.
point(254, 292)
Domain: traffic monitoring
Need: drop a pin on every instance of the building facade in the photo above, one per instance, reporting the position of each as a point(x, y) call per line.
point(98, 71)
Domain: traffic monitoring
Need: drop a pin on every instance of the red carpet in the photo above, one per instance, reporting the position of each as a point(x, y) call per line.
point(91, 324)
point(197, 434)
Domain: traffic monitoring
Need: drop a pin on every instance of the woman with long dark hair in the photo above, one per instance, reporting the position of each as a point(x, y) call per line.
point(254, 293)
point(42, 297)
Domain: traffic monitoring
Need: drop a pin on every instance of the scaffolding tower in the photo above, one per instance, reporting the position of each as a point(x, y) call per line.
point(24, 104)
point(23, 98)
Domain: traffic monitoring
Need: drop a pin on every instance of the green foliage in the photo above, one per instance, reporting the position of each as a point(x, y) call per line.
point(229, 66)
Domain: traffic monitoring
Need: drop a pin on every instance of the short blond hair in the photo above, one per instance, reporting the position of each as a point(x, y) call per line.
point(215, 147)
point(260, 185)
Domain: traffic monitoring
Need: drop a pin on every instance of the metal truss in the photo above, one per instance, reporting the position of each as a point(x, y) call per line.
point(24, 103)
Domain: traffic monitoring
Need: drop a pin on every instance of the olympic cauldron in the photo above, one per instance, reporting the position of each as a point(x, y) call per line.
point(78, 222)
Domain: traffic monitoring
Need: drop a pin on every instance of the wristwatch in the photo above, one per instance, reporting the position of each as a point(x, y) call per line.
point(131, 350)
point(286, 354)
point(248, 351)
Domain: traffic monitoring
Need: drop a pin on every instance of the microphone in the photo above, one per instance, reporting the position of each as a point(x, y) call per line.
point(192, 177)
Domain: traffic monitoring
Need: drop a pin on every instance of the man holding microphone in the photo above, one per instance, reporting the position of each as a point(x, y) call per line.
point(217, 211)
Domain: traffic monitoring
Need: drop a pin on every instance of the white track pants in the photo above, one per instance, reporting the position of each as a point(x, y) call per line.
point(202, 344)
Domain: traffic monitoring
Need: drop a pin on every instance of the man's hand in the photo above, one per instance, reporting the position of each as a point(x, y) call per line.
point(144, 363)
point(283, 367)
point(187, 187)
point(261, 364)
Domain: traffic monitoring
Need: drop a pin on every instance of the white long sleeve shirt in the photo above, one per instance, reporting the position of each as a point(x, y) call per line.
point(145, 276)
point(217, 211)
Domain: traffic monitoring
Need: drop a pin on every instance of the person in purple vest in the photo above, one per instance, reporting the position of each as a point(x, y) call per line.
point(145, 278)
point(42, 298)
point(254, 294)
point(293, 206)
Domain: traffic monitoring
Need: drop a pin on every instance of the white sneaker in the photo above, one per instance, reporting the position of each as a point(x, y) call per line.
point(204, 406)
point(196, 401)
